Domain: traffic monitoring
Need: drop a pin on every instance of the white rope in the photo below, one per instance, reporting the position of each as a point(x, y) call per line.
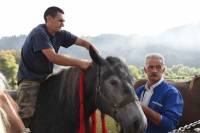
point(3, 121)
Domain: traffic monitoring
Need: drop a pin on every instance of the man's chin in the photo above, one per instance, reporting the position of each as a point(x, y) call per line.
point(154, 79)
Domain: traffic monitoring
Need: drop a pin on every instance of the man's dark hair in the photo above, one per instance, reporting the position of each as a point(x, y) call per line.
point(52, 11)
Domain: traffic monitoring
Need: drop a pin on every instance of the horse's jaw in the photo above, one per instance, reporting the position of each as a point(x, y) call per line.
point(134, 122)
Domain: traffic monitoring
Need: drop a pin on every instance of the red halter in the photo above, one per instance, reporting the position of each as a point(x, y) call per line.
point(82, 119)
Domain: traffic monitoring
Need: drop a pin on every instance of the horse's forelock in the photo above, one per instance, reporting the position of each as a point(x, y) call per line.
point(114, 60)
point(120, 68)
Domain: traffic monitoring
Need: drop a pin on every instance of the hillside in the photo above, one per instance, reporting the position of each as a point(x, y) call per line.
point(179, 45)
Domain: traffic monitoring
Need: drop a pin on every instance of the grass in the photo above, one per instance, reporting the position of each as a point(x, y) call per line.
point(110, 123)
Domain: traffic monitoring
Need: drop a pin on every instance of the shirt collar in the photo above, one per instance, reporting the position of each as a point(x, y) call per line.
point(154, 85)
point(45, 27)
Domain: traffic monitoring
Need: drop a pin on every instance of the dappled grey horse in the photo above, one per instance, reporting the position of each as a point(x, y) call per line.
point(107, 86)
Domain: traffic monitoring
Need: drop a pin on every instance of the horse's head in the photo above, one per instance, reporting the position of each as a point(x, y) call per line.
point(115, 94)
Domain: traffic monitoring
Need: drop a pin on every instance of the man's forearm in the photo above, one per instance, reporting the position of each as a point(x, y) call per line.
point(66, 61)
point(152, 115)
point(83, 43)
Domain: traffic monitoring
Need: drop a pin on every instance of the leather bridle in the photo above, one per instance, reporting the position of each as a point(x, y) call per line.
point(114, 106)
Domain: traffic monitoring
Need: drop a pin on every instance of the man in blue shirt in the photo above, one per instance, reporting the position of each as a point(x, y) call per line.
point(161, 102)
point(39, 53)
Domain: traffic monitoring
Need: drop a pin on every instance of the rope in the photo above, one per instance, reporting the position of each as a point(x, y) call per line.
point(94, 124)
point(103, 123)
point(93, 117)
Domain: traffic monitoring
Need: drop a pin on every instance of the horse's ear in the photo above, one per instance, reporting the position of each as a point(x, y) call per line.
point(96, 57)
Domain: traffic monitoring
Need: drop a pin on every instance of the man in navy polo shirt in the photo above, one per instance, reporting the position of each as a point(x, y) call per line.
point(161, 102)
point(39, 53)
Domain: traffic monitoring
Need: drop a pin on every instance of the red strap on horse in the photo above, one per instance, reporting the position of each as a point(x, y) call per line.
point(94, 124)
point(103, 123)
point(82, 119)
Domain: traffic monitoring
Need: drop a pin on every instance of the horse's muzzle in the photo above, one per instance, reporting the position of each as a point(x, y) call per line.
point(132, 119)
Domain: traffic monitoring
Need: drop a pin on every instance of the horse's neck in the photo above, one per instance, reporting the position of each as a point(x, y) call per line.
point(90, 89)
point(89, 86)
point(90, 81)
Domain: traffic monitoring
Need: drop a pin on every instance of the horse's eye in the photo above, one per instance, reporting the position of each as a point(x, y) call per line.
point(113, 82)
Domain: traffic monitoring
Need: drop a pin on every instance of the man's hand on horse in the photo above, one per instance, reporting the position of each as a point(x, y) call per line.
point(85, 64)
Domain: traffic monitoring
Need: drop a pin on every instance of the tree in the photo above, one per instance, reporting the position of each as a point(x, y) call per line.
point(8, 65)
point(135, 71)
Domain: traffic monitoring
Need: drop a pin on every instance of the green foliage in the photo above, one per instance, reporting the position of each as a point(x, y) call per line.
point(176, 72)
point(181, 71)
point(135, 71)
point(169, 74)
point(111, 125)
point(8, 65)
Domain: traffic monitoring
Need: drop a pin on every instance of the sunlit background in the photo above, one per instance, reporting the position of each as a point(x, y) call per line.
point(95, 17)
point(127, 29)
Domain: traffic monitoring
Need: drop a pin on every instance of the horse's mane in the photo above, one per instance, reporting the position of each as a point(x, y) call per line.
point(59, 94)
point(63, 82)
point(121, 69)
point(68, 82)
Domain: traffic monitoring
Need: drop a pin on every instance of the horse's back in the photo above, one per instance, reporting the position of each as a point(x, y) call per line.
point(54, 108)
point(190, 91)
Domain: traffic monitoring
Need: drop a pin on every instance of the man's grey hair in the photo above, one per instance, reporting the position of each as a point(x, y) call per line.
point(155, 56)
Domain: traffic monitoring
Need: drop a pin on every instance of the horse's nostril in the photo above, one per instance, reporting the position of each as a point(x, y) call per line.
point(136, 124)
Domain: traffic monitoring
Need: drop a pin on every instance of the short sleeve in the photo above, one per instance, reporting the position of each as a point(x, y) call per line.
point(40, 41)
point(66, 39)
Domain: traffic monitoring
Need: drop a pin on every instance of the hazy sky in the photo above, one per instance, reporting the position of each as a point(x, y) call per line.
point(95, 17)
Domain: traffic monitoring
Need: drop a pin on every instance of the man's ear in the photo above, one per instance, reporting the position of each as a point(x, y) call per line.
point(49, 18)
point(163, 70)
point(145, 69)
